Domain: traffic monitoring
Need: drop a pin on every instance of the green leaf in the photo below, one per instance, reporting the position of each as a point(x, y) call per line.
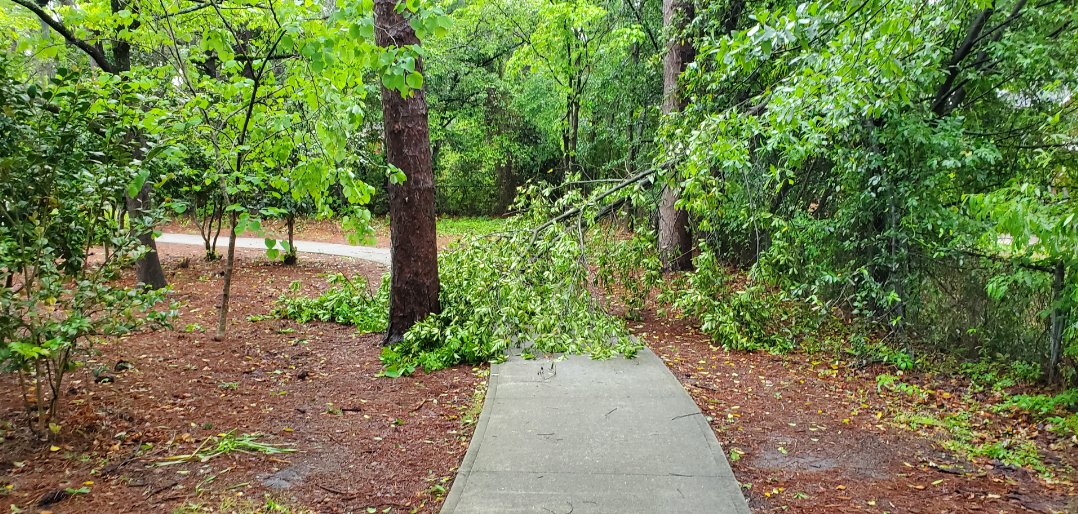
point(136, 183)
point(414, 80)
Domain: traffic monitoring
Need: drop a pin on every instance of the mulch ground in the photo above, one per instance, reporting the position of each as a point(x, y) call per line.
point(811, 436)
point(362, 441)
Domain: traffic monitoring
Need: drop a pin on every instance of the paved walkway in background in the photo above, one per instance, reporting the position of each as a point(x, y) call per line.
point(586, 436)
point(367, 253)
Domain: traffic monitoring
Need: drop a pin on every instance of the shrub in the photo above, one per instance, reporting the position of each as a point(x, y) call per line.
point(63, 174)
point(348, 301)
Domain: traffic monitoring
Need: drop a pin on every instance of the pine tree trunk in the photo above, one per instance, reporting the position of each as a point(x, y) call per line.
point(675, 243)
point(148, 269)
point(414, 284)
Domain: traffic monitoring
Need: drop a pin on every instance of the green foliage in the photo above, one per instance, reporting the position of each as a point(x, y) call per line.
point(893, 383)
point(348, 301)
point(517, 290)
point(994, 373)
point(878, 351)
point(957, 433)
point(469, 226)
point(858, 156)
point(547, 88)
point(738, 317)
point(65, 165)
point(627, 268)
point(1041, 405)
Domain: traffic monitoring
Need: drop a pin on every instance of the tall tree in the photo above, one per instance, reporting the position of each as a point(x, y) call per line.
point(414, 284)
point(675, 243)
point(148, 268)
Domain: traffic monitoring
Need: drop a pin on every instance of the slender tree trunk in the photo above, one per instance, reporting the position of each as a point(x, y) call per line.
point(414, 285)
point(1058, 321)
point(226, 292)
point(675, 243)
point(507, 185)
point(290, 257)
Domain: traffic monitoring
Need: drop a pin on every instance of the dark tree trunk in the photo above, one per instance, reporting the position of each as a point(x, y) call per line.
point(414, 286)
point(148, 269)
point(675, 243)
point(507, 185)
point(1058, 321)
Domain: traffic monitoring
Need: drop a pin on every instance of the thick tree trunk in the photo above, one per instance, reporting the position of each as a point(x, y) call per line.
point(414, 286)
point(148, 269)
point(675, 243)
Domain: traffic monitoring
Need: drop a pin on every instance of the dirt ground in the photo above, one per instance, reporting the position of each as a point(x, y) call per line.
point(810, 436)
point(362, 442)
point(326, 231)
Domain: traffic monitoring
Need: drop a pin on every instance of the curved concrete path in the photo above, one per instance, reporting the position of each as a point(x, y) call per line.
point(367, 253)
point(585, 436)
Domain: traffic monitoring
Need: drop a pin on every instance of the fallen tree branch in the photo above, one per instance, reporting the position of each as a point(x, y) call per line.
point(621, 185)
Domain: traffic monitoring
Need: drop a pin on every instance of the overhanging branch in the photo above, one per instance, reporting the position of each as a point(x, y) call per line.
point(95, 53)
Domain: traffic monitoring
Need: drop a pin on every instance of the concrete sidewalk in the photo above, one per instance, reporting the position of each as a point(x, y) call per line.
point(367, 253)
point(585, 436)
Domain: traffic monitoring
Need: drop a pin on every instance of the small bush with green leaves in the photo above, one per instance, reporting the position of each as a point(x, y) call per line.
point(348, 301)
point(744, 319)
point(1059, 411)
point(997, 374)
point(1041, 405)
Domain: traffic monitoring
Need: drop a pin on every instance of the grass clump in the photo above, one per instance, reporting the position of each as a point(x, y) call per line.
point(226, 443)
point(470, 226)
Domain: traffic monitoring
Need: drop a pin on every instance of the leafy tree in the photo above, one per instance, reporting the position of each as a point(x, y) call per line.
point(88, 27)
point(833, 147)
point(270, 93)
point(675, 243)
point(65, 164)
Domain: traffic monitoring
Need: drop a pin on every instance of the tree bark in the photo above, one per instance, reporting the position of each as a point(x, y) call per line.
point(291, 256)
point(226, 291)
point(414, 284)
point(675, 243)
point(148, 269)
point(507, 185)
